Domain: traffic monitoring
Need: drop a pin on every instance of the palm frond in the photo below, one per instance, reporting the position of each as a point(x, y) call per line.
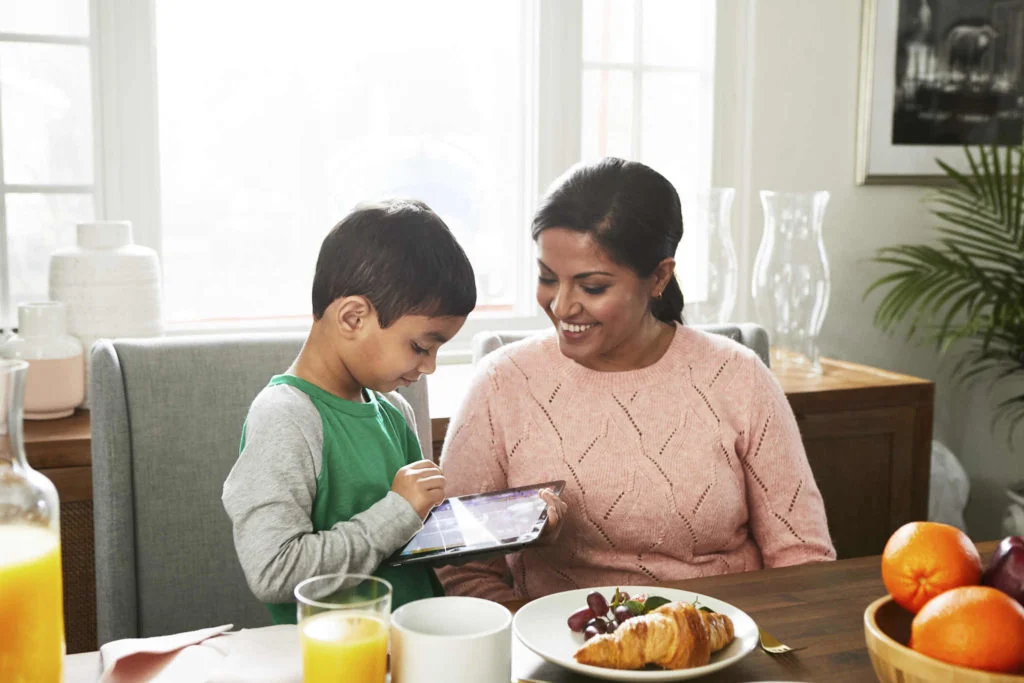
point(967, 287)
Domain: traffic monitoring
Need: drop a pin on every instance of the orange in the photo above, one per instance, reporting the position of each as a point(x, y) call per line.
point(923, 559)
point(974, 626)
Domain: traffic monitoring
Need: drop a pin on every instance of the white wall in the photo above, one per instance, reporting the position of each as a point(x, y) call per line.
point(788, 123)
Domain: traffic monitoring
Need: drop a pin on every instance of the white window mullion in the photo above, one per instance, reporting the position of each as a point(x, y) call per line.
point(43, 39)
point(98, 163)
point(735, 70)
point(557, 121)
point(49, 189)
point(530, 92)
point(647, 68)
point(129, 180)
point(560, 88)
point(638, 79)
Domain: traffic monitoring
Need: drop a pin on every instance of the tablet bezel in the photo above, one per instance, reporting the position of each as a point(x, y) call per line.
point(441, 557)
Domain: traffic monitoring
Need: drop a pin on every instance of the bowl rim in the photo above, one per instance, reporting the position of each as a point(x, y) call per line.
point(872, 626)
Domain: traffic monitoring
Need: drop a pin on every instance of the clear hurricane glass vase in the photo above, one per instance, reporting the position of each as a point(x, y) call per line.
point(791, 282)
point(712, 221)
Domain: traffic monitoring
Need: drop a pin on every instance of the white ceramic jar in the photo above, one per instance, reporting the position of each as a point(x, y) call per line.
point(110, 285)
point(55, 383)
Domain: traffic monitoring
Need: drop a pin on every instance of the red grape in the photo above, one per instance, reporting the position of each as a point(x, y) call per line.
point(590, 632)
point(600, 624)
point(622, 613)
point(597, 603)
point(578, 619)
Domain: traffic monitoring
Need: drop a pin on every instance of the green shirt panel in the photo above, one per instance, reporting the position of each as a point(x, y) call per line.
point(364, 446)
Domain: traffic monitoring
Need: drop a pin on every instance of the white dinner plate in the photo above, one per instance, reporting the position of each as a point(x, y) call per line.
point(541, 626)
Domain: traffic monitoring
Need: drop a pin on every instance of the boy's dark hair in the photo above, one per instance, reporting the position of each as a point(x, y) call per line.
point(629, 209)
point(401, 256)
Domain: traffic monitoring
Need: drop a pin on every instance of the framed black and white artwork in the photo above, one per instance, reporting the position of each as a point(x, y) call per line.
point(937, 75)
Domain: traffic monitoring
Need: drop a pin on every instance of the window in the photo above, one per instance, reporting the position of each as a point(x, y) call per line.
point(274, 124)
point(235, 140)
point(46, 141)
point(648, 93)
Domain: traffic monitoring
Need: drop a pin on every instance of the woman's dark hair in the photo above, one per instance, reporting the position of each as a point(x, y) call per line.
point(401, 256)
point(630, 210)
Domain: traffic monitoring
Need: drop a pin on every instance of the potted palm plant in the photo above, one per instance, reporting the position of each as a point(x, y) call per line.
point(965, 292)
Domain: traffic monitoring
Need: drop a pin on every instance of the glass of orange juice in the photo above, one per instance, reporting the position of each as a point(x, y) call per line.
point(344, 620)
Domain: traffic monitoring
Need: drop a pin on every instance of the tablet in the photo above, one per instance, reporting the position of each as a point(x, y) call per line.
point(495, 522)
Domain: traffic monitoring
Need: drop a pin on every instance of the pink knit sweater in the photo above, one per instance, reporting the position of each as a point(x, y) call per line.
point(689, 467)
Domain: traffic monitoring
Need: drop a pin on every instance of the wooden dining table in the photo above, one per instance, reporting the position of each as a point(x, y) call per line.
point(818, 608)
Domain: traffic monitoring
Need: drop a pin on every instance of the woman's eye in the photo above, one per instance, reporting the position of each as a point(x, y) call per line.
point(419, 349)
point(546, 280)
point(595, 290)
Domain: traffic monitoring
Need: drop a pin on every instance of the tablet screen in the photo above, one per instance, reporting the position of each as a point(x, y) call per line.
point(481, 521)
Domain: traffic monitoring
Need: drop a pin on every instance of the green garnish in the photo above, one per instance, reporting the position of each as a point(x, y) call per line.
point(637, 607)
point(702, 608)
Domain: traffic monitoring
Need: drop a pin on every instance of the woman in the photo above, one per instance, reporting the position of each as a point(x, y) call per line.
point(679, 450)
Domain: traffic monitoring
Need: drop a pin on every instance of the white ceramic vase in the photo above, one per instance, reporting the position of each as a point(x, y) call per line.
point(55, 383)
point(110, 285)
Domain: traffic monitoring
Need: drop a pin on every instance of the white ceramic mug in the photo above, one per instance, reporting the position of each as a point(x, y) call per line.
point(451, 639)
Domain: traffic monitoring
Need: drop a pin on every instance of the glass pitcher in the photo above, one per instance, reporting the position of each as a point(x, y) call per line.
point(31, 600)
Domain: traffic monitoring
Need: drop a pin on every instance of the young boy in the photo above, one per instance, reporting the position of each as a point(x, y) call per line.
point(330, 477)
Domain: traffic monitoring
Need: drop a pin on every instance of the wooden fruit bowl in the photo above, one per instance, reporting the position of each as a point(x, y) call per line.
point(887, 632)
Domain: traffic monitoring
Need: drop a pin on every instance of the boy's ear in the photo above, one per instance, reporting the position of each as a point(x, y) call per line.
point(351, 314)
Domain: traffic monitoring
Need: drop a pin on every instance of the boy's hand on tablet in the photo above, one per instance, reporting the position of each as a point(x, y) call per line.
point(556, 515)
point(422, 484)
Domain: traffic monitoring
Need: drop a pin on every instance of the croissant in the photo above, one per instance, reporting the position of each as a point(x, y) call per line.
point(674, 636)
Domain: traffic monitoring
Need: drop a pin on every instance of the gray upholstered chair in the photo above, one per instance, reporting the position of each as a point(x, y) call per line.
point(167, 418)
point(750, 335)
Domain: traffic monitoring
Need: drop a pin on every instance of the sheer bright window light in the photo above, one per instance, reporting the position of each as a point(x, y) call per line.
point(273, 124)
point(648, 95)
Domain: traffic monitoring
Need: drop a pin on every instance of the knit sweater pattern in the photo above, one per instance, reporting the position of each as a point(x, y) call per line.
point(691, 466)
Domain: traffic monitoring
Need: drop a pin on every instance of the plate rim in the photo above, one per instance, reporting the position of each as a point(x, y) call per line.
point(631, 674)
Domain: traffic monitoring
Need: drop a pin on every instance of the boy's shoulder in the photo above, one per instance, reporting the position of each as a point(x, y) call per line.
point(278, 404)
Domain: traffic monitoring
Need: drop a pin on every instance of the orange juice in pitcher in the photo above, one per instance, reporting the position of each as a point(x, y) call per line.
point(32, 623)
point(31, 602)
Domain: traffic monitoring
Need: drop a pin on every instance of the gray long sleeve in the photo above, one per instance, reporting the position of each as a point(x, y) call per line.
point(269, 497)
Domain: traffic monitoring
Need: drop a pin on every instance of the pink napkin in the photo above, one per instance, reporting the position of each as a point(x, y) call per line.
point(209, 655)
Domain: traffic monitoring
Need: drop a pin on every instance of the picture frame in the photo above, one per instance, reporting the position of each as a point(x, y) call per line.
point(935, 76)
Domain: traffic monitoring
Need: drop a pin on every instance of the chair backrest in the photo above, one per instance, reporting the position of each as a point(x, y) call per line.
point(750, 335)
point(167, 417)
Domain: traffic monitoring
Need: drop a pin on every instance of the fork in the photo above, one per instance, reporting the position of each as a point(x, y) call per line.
point(772, 646)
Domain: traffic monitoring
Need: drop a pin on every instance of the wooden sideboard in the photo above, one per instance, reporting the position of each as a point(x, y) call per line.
point(868, 437)
point(867, 433)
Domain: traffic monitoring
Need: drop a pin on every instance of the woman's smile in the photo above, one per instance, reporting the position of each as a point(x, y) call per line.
point(575, 332)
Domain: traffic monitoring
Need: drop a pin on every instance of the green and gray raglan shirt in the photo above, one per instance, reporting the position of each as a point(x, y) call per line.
point(311, 493)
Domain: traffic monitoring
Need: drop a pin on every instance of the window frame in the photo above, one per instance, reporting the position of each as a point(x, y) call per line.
point(128, 179)
point(8, 306)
